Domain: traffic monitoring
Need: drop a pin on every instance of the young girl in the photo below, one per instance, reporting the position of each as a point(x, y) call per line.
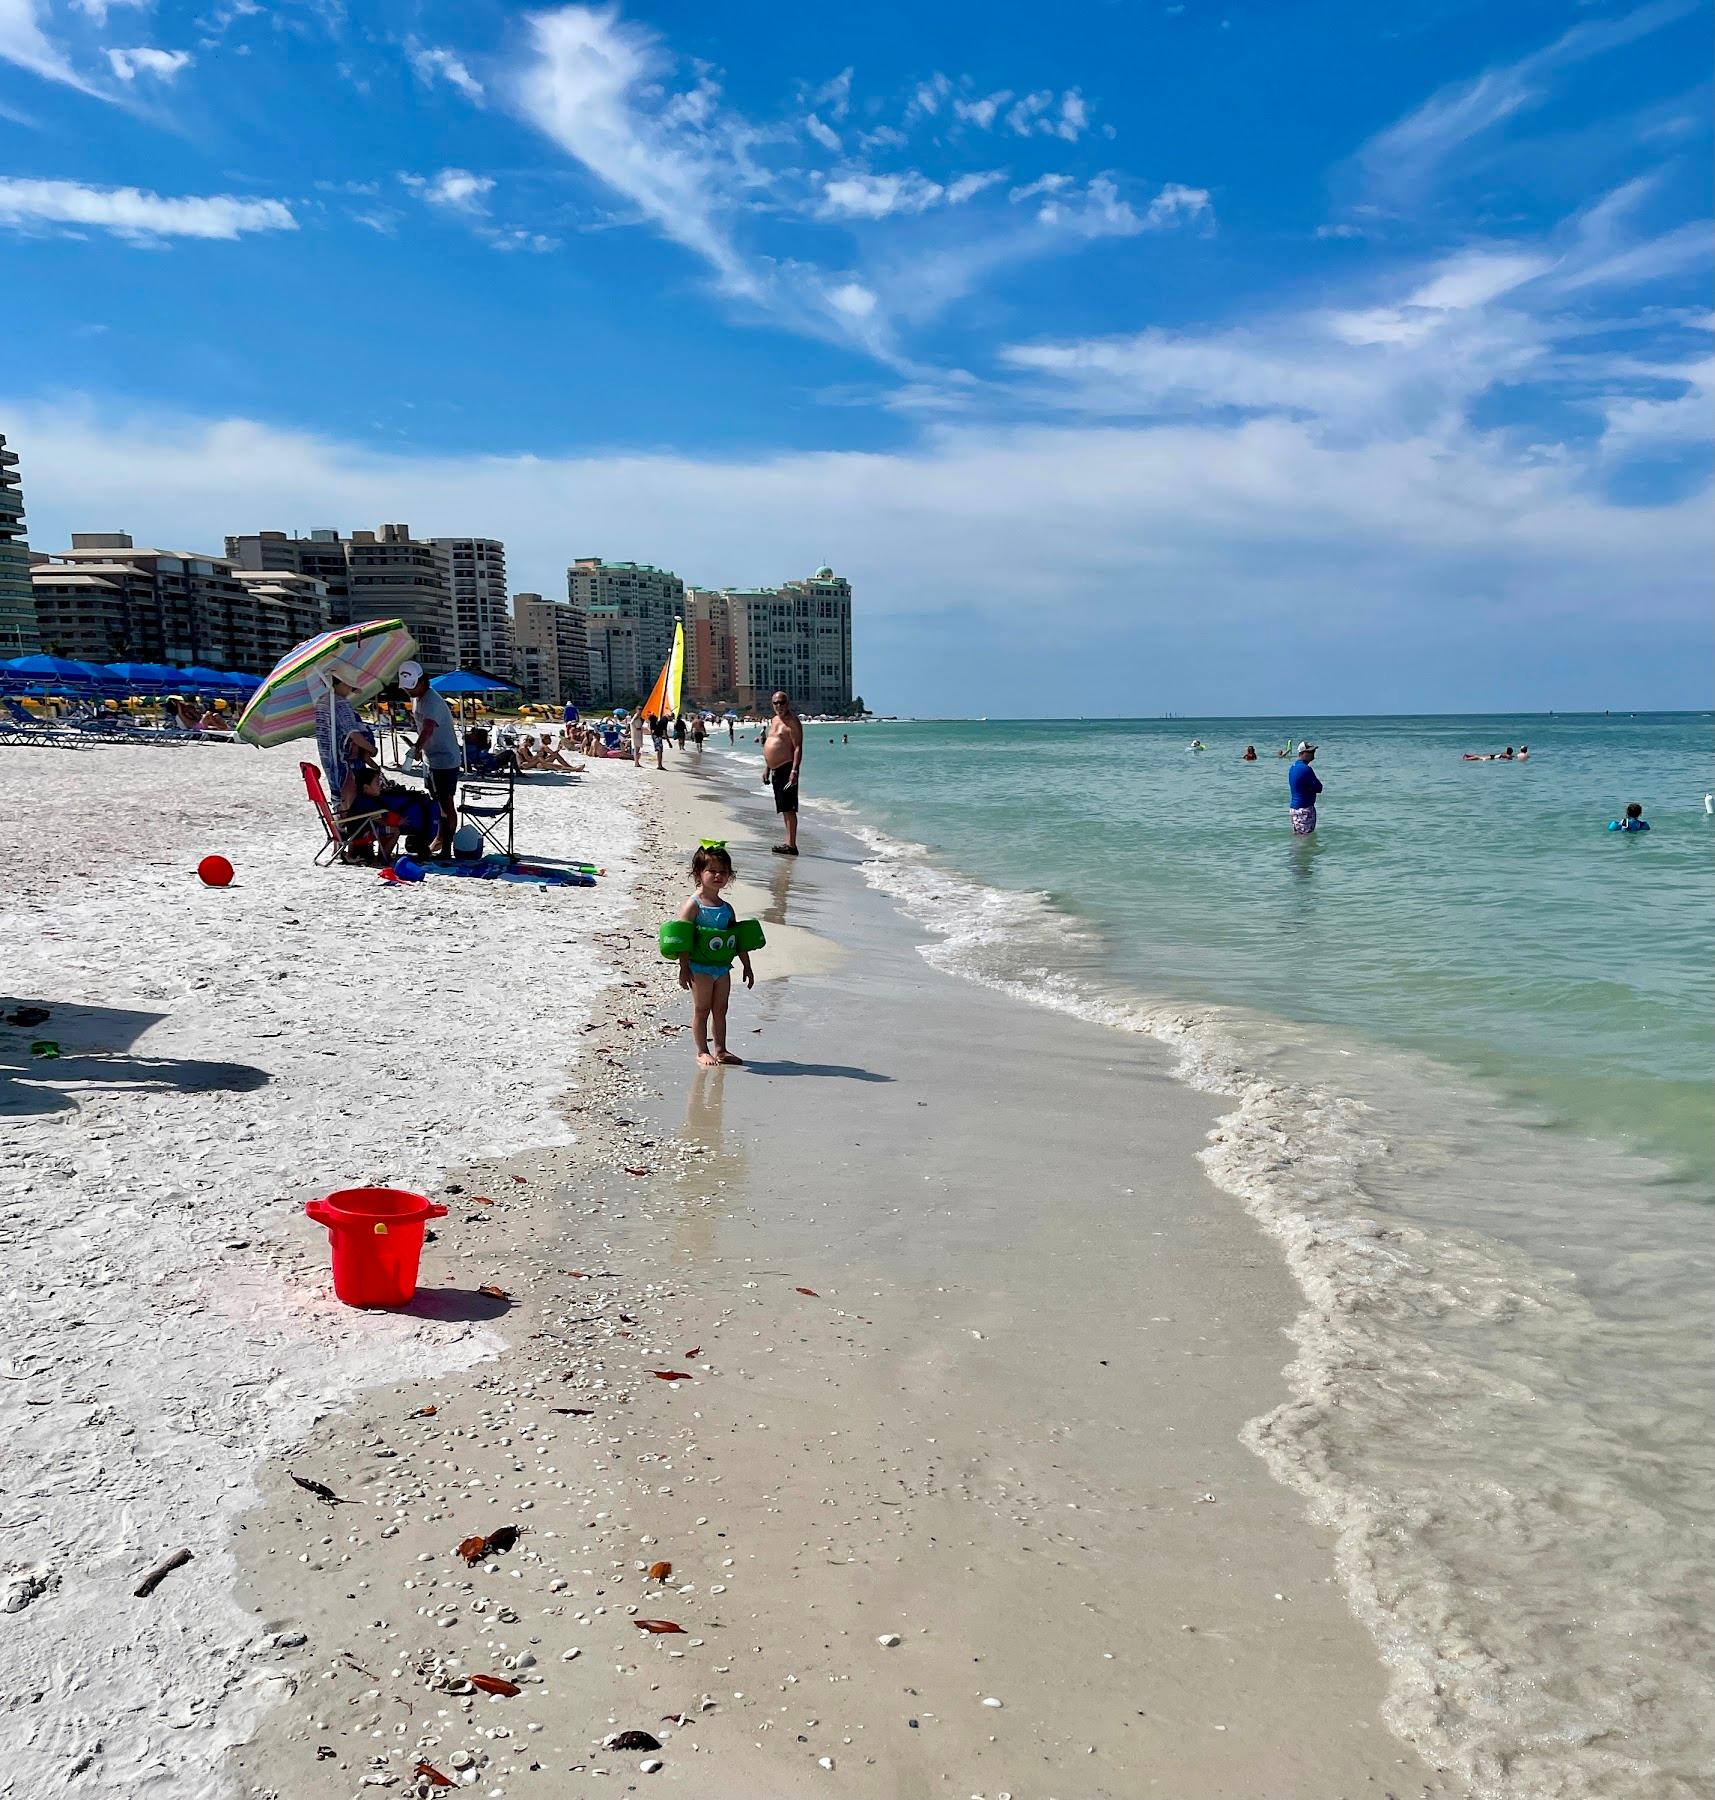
point(711, 987)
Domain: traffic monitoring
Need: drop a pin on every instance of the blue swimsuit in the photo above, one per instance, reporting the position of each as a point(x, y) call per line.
point(714, 918)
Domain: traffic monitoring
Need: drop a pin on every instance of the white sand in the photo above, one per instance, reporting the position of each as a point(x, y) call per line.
point(228, 1054)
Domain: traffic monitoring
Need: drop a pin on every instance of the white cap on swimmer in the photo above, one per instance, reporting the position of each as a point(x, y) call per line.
point(1306, 749)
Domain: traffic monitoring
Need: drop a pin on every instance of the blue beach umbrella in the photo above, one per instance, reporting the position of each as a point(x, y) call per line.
point(56, 672)
point(144, 678)
point(459, 682)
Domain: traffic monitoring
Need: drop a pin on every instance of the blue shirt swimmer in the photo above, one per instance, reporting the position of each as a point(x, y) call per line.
point(1633, 821)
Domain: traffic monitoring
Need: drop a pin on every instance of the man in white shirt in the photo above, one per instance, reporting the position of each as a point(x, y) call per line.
point(437, 742)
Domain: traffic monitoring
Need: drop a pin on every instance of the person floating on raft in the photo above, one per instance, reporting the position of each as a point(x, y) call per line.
point(705, 938)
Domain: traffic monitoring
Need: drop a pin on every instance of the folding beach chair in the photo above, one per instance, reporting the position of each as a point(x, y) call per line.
point(18, 725)
point(342, 834)
point(486, 803)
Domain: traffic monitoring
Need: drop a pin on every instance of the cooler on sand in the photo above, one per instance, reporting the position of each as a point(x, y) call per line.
point(377, 1238)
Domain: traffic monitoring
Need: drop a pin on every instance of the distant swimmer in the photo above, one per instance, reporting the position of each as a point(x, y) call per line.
point(1250, 753)
point(1305, 786)
point(1524, 752)
point(1633, 821)
point(1196, 744)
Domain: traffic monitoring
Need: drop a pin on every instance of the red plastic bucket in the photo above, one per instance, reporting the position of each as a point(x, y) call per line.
point(377, 1236)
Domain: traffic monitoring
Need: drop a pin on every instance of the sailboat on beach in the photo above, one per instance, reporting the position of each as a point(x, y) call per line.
point(664, 696)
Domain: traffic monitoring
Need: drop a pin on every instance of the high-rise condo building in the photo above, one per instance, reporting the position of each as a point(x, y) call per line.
point(475, 574)
point(651, 599)
point(107, 600)
point(797, 637)
point(18, 633)
point(385, 574)
point(550, 658)
point(708, 645)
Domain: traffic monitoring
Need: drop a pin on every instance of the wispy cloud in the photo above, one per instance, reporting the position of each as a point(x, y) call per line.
point(135, 213)
point(584, 88)
point(431, 64)
point(160, 65)
point(1101, 211)
point(24, 42)
point(1405, 157)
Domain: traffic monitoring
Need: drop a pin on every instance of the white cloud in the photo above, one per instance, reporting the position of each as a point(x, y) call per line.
point(1074, 117)
point(1100, 211)
point(430, 65)
point(1025, 114)
point(1408, 154)
point(161, 65)
point(135, 213)
point(967, 187)
point(825, 135)
point(865, 196)
point(859, 194)
point(835, 97)
point(457, 189)
point(99, 9)
point(585, 90)
point(853, 298)
point(1195, 551)
point(928, 96)
point(982, 113)
point(25, 43)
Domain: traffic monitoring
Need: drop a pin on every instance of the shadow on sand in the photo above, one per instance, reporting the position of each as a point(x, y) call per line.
point(833, 1071)
point(93, 1044)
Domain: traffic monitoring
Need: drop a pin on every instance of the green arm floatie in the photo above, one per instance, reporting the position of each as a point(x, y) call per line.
point(677, 938)
point(713, 947)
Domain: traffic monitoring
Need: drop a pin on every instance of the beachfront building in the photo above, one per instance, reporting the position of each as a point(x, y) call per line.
point(475, 573)
point(107, 600)
point(797, 637)
point(320, 556)
point(708, 646)
point(289, 609)
point(644, 602)
point(18, 635)
point(616, 671)
point(385, 574)
point(550, 658)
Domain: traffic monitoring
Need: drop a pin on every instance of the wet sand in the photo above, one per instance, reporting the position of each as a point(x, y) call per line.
point(1002, 1428)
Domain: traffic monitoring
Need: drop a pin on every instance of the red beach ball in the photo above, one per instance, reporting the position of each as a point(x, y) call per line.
point(215, 871)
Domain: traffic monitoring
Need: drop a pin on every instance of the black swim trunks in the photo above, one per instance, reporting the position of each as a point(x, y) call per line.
point(785, 786)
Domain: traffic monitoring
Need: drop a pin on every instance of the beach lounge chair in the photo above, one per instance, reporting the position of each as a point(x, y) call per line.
point(488, 805)
point(18, 725)
point(342, 834)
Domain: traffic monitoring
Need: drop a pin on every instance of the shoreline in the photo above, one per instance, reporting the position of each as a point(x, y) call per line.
point(928, 1444)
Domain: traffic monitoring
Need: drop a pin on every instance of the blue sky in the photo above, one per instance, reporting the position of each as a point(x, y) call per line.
point(1128, 357)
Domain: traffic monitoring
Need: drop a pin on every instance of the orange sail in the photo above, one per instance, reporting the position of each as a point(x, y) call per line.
point(664, 696)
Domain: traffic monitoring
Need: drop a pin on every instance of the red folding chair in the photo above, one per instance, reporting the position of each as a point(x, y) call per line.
point(342, 834)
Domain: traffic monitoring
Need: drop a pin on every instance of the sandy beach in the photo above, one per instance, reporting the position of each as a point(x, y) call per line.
point(224, 1056)
point(952, 1487)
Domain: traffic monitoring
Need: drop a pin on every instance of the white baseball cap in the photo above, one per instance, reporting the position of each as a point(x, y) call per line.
point(410, 673)
point(1306, 747)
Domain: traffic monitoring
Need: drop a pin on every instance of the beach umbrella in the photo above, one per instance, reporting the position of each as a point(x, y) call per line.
point(241, 683)
point(142, 677)
point(64, 671)
point(196, 676)
point(460, 682)
point(284, 706)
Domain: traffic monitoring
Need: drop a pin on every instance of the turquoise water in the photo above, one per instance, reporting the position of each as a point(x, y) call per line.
point(1479, 912)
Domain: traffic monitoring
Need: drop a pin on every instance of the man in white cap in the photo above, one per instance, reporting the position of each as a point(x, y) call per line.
point(1305, 786)
point(437, 742)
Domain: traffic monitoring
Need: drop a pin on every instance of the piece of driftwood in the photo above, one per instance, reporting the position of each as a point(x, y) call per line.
point(160, 1572)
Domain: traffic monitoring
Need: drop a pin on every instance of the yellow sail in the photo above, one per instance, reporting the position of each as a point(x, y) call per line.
point(664, 696)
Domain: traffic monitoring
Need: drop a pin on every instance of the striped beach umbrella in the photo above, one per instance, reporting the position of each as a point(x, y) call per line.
point(284, 706)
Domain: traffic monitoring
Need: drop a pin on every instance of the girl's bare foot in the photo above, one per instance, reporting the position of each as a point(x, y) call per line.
point(726, 1056)
point(706, 1059)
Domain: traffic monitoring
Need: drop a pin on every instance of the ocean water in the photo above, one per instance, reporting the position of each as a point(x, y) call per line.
point(1468, 1040)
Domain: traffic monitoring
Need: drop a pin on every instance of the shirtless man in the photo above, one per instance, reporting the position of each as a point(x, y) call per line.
point(782, 757)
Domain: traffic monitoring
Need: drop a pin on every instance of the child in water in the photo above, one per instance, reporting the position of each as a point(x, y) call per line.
point(1633, 821)
point(711, 987)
